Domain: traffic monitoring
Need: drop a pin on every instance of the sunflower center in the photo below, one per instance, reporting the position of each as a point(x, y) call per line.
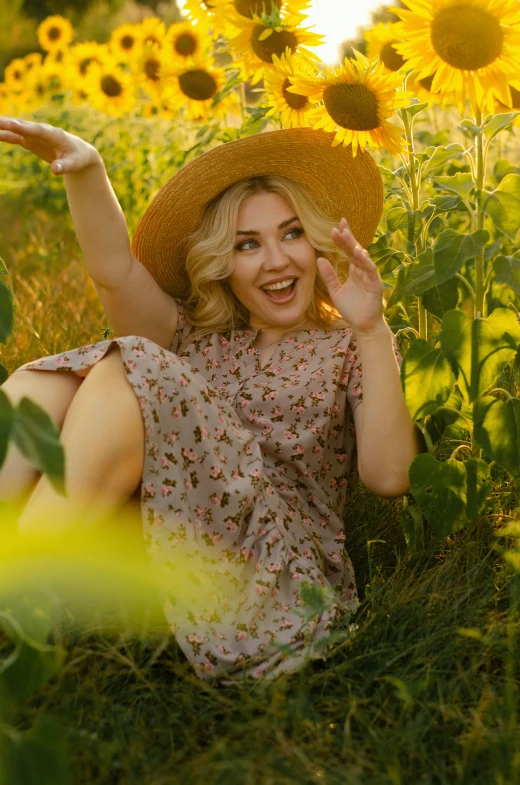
point(294, 100)
point(111, 86)
point(467, 37)
point(390, 58)
point(275, 44)
point(151, 69)
point(249, 7)
point(127, 42)
point(54, 33)
point(427, 82)
point(185, 45)
point(351, 106)
point(197, 84)
point(85, 64)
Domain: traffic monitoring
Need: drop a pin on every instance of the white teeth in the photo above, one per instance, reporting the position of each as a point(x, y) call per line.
point(280, 285)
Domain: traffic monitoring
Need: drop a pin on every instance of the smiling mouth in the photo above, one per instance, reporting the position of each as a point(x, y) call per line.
point(281, 295)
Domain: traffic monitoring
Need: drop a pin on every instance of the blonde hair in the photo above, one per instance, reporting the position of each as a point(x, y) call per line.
point(211, 305)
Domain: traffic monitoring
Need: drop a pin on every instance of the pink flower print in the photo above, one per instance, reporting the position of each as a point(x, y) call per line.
point(296, 576)
point(302, 366)
point(222, 418)
point(162, 395)
point(269, 490)
point(197, 525)
point(276, 567)
point(231, 525)
point(206, 351)
point(317, 449)
point(190, 455)
point(219, 433)
point(138, 352)
point(171, 438)
point(254, 473)
point(201, 510)
point(61, 361)
point(267, 431)
point(150, 489)
point(235, 476)
point(259, 673)
point(271, 395)
point(215, 537)
point(251, 417)
point(274, 538)
point(241, 635)
point(260, 590)
point(176, 412)
point(215, 470)
point(155, 450)
point(335, 556)
point(289, 434)
point(234, 368)
point(298, 449)
point(224, 343)
point(277, 411)
point(276, 369)
point(204, 432)
point(132, 365)
point(166, 490)
point(187, 484)
point(216, 499)
point(342, 458)
point(284, 487)
point(286, 624)
point(313, 498)
point(298, 409)
point(318, 396)
point(333, 483)
point(207, 666)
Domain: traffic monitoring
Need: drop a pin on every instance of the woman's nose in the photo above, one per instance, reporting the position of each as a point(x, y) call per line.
point(276, 257)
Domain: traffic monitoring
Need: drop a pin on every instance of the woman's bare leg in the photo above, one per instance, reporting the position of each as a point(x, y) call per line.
point(53, 391)
point(104, 441)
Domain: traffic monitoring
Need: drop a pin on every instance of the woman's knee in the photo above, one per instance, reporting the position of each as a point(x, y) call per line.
point(53, 391)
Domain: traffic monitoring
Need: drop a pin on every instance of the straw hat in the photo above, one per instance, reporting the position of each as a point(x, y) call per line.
point(339, 183)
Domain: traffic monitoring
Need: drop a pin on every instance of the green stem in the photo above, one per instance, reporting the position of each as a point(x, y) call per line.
point(479, 185)
point(415, 192)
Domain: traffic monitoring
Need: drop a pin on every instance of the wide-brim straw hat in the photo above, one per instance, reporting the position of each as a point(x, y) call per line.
point(341, 184)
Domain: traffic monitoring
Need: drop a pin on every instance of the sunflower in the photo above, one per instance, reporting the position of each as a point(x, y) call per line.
point(195, 87)
point(472, 46)
point(124, 42)
point(355, 101)
point(109, 88)
point(153, 30)
point(55, 32)
point(291, 107)
point(14, 75)
point(184, 44)
point(257, 40)
point(146, 68)
point(380, 44)
point(81, 56)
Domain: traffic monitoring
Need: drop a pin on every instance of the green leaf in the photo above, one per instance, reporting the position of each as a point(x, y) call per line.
point(3, 376)
point(28, 669)
point(460, 183)
point(503, 205)
point(426, 377)
point(447, 203)
point(504, 166)
point(407, 221)
point(32, 611)
point(6, 425)
point(6, 312)
point(415, 108)
point(440, 299)
point(38, 439)
point(38, 756)
point(440, 491)
point(438, 156)
point(470, 129)
point(479, 348)
point(478, 486)
point(497, 123)
point(437, 423)
point(3, 267)
point(413, 526)
point(386, 259)
point(433, 268)
point(497, 431)
point(507, 271)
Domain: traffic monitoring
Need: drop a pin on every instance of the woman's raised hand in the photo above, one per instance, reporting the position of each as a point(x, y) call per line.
point(64, 151)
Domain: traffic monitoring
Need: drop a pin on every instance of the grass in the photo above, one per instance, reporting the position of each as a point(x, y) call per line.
point(423, 690)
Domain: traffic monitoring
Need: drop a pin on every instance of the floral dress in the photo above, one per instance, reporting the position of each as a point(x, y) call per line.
point(244, 487)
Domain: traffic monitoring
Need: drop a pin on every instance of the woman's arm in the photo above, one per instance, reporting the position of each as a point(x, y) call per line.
point(97, 215)
point(386, 436)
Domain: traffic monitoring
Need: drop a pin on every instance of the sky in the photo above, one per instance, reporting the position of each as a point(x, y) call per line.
point(337, 20)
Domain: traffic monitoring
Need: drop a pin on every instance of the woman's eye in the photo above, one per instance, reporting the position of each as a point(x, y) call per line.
point(242, 246)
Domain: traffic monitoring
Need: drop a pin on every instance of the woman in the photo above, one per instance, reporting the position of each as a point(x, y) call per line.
point(249, 373)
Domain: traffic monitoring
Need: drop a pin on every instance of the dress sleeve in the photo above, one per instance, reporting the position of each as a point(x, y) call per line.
point(184, 328)
point(355, 378)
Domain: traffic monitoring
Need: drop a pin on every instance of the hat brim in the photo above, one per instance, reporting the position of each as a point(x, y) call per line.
point(342, 185)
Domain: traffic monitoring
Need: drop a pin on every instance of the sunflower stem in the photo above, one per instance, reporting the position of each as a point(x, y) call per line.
point(415, 193)
point(479, 185)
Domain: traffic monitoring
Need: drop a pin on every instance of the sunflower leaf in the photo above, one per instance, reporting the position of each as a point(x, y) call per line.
point(507, 271)
point(497, 123)
point(426, 377)
point(503, 205)
point(438, 156)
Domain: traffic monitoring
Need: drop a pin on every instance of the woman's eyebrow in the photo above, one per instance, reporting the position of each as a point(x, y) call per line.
point(281, 226)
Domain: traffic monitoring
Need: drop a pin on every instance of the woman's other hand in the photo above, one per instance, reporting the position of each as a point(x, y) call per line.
point(65, 152)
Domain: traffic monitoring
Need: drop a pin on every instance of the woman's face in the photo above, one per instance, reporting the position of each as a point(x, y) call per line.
point(271, 247)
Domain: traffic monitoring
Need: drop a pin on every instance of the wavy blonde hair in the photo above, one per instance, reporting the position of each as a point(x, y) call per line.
point(212, 306)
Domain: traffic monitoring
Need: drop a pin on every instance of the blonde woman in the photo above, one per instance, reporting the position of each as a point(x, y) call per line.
point(252, 376)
